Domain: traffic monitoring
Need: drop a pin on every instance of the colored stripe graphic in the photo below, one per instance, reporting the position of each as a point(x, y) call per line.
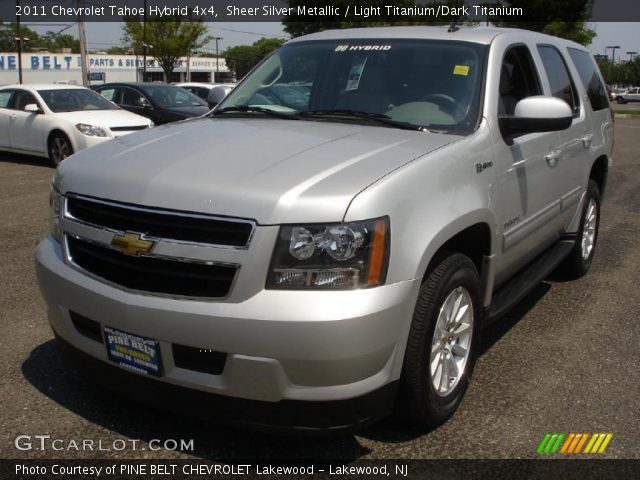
point(551, 443)
point(573, 443)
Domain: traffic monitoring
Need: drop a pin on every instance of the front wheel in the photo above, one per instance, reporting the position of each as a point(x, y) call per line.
point(59, 148)
point(621, 100)
point(442, 343)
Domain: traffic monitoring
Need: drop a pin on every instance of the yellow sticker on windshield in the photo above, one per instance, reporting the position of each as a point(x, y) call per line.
point(461, 70)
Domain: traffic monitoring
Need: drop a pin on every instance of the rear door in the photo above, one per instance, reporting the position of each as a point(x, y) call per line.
point(5, 115)
point(596, 102)
point(573, 151)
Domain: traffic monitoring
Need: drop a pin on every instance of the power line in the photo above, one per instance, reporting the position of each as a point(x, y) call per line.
point(252, 33)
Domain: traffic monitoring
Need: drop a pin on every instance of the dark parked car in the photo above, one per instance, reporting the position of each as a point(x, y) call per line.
point(160, 102)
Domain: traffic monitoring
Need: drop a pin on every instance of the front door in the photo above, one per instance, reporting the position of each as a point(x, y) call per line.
point(527, 189)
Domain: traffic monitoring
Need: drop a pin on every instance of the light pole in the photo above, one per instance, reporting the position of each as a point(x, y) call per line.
point(631, 54)
point(144, 67)
point(19, 42)
point(144, 42)
point(613, 60)
point(217, 58)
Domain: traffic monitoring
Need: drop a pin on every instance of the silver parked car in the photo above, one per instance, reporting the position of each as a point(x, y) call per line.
point(327, 243)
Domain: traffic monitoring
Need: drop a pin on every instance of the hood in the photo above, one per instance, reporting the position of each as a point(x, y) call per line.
point(272, 171)
point(105, 118)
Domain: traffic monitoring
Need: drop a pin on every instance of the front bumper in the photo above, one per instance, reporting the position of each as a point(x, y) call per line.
point(283, 348)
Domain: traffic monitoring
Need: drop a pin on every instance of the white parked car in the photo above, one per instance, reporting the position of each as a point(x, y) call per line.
point(202, 89)
point(53, 121)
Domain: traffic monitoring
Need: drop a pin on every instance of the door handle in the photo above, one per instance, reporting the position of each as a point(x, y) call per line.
point(587, 140)
point(13, 116)
point(552, 157)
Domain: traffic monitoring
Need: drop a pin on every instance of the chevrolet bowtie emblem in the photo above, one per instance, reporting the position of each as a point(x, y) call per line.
point(131, 244)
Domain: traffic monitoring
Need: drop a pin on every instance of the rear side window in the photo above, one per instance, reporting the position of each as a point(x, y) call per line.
point(108, 93)
point(588, 71)
point(562, 86)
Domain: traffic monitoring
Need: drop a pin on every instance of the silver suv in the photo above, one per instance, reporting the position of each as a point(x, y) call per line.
point(326, 245)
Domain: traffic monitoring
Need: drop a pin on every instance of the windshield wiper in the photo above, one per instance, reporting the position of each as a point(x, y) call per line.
point(254, 109)
point(377, 117)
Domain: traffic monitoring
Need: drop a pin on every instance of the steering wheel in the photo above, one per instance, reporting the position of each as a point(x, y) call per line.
point(447, 103)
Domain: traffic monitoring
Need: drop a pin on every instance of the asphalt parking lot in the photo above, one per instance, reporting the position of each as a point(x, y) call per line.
point(565, 360)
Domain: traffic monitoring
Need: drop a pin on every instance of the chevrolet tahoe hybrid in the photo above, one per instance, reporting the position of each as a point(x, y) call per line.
point(325, 245)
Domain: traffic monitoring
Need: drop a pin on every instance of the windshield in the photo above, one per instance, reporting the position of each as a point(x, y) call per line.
point(169, 96)
point(74, 100)
point(420, 83)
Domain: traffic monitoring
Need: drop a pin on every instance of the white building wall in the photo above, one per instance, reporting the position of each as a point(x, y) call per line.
point(67, 67)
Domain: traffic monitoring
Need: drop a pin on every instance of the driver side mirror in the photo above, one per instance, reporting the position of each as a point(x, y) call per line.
point(144, 103)
point(32, 107)
point(217, 94)
point(536, 114)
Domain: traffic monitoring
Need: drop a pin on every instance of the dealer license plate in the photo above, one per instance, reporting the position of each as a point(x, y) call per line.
point(140, 354)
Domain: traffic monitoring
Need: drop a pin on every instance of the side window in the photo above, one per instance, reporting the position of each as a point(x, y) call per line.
point(5, 96)
point(518, 79)
point(562, 86)
point(588, 71)
point(130, 97)
point(23, 98)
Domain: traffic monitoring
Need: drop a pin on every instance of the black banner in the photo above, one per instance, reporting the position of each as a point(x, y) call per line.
point(391, 11)
point(319, 469)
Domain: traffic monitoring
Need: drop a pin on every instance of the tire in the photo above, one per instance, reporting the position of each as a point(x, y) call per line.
point(620, 100)
point(422, 403)
point(579, 260)
point(59, 148)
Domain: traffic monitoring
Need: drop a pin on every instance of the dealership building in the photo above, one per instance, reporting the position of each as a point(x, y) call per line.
point(44, 67)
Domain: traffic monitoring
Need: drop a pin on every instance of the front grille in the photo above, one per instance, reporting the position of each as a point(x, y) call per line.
point(129, 129)
point(150, 274)
point(166, 224)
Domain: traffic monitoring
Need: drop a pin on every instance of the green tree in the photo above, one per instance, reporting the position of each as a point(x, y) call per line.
point(118, 50)
point(8, 38)
point(52, 41)
point(539, 15)
point(242, 58)
point(168, 38)
point(545, 15)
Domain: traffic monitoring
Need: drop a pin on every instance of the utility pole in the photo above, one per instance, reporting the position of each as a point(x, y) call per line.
point(217, 58)
point(19, 42)
point(144, 42)
point(82, 34)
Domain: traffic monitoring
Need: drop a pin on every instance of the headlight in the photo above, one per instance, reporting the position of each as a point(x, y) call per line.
point(337, 256)
point(56, 209)
point(91, 130)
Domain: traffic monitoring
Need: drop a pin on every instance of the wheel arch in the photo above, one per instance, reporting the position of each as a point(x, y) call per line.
point(56, 131)
point(473, 241)
point(599, 173)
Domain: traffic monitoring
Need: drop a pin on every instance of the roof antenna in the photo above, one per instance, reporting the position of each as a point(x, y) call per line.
point(453, 27)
